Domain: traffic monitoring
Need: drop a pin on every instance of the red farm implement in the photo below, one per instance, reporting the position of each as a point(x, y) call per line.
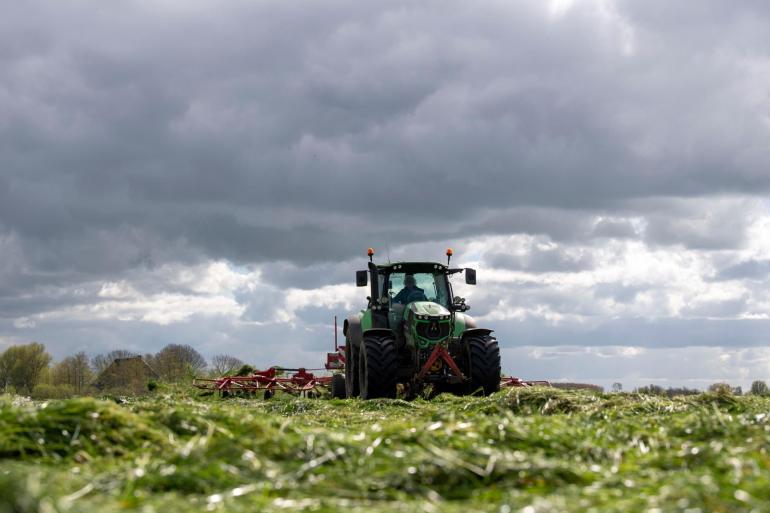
point(292, 381)
point(304, 382)
point(510, 381)
point(299, 381)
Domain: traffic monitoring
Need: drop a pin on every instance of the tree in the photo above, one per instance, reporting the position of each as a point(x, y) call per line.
point(759, 387)
point(21, 366)
point(102, 361)
point(6, 366)
point(617, 387)
point(721, 388)
point(675, 391)
point(73, 371)
point(651, 390)
point(225, 365)
point(177, 362)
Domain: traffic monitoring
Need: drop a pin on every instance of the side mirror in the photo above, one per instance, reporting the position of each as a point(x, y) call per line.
point(470, 276)
point(362, 278)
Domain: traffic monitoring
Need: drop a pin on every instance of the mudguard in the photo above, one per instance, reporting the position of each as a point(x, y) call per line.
point(352, 330)
point(482, 332)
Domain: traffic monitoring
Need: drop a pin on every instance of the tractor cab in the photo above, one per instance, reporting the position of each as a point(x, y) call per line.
point(396, 285)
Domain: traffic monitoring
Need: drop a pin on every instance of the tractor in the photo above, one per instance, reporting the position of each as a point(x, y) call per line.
point(415, 333)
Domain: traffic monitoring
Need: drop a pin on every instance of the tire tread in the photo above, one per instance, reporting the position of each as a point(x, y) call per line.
point(484, 362)
point(381, 359)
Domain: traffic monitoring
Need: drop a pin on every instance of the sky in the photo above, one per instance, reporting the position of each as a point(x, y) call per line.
point(211, 173)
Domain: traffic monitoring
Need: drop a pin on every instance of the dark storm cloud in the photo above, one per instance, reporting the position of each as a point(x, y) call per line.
point(195, 124)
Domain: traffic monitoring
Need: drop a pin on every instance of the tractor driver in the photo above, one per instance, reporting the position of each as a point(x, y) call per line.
point(410, 289)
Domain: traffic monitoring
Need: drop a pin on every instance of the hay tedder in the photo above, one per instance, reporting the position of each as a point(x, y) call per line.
point(414, 333)
point(298, 381)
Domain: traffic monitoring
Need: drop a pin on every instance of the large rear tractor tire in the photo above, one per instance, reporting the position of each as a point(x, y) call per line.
point(352, 388)
point(483, 356)
point(377, 367)
point(338, 387)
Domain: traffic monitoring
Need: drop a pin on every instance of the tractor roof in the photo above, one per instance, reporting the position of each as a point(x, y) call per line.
point(416, 267)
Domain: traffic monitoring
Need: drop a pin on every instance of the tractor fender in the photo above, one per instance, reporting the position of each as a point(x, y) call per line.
point(483, 332)
point(351, 329)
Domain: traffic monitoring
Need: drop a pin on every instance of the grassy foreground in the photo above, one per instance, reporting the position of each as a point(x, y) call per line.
point(537, 450)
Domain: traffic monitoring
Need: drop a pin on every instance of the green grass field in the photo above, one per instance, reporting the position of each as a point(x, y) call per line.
point(536, 450)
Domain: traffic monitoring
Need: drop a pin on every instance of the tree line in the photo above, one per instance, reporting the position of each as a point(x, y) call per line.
point(758, 387)
point(29, 369)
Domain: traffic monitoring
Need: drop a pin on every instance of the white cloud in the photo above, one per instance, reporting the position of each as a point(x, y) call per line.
point(163, 309)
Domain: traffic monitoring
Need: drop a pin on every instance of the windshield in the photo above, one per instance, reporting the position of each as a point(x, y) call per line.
point(407, 287)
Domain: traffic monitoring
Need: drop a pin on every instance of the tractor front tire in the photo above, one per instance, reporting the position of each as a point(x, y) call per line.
point(338, 387)
point(483, 360)
point(352, 388)
point(377, 367)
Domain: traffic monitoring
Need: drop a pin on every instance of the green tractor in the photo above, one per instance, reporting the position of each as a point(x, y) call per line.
point(414, 332)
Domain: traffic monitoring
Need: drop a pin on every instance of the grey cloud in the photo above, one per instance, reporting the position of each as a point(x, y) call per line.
point(747, 270)
point(618, 292)
point(722, 232)
point(285, 275)
point(667, 332)
point(730, 308)
point(479, 111)
point(615, 228)
point(539, 260)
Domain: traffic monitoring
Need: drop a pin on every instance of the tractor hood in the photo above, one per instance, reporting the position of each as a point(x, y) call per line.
point(427, 308)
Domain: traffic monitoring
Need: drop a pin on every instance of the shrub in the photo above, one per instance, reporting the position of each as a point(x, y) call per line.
point(43, 391)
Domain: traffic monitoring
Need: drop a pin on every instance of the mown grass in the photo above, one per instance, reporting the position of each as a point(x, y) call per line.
point(529, 450)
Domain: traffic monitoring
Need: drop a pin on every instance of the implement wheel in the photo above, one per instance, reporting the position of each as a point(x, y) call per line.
point(338, 387)
point(352, 388)
point(483, 359)
point(377, 367)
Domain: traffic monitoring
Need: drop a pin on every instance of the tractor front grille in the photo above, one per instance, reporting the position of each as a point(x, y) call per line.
point(433, 329)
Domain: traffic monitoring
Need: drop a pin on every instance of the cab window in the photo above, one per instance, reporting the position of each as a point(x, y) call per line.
point(433, 287)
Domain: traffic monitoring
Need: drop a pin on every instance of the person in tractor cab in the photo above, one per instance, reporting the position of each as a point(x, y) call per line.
point(410, 292)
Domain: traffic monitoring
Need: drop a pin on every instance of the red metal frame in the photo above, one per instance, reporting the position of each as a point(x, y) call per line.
point(510, 381)
point(440, 352)
point(335, 360)
point(268, 380)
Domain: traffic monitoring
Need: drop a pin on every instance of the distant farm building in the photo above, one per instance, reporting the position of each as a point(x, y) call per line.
point(127, 375)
